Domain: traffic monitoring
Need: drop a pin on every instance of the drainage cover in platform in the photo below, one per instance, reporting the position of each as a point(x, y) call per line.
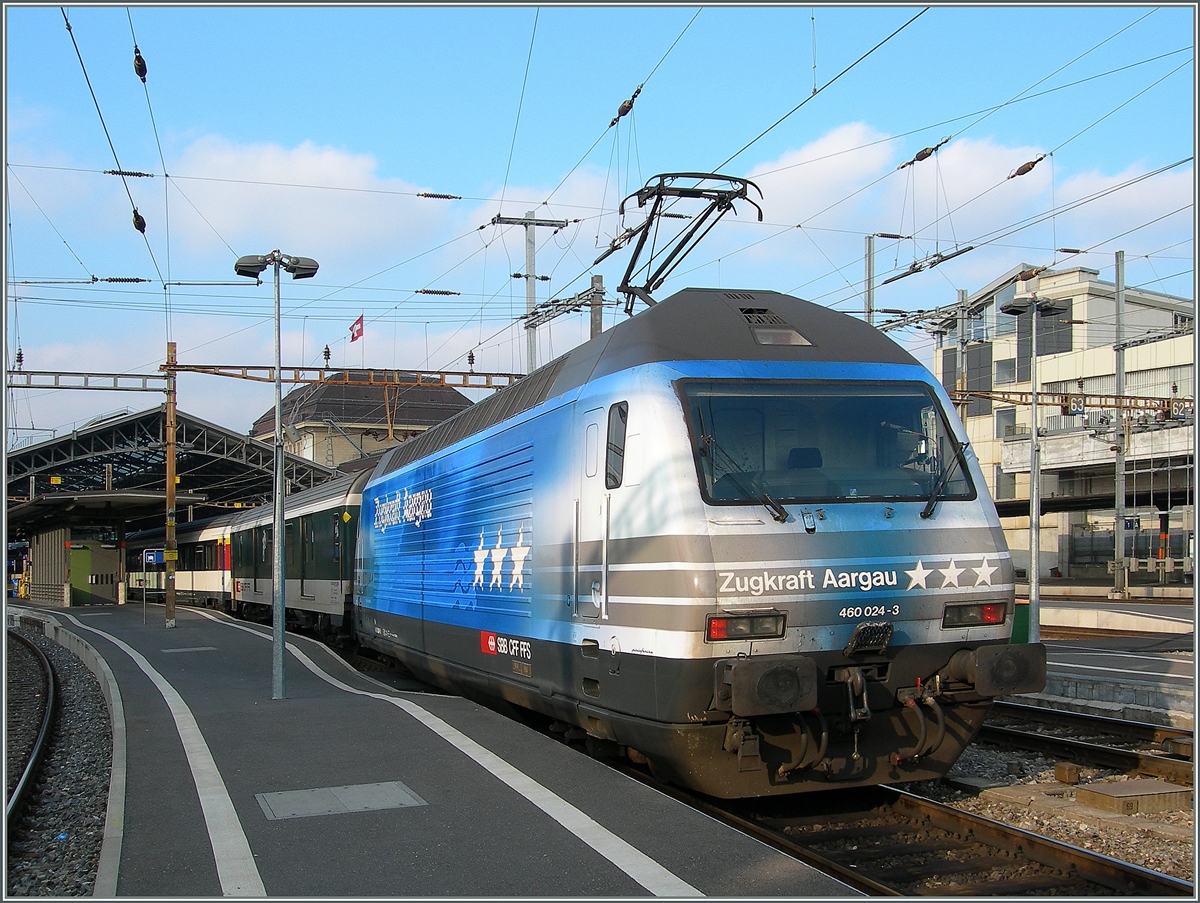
point(334, 800)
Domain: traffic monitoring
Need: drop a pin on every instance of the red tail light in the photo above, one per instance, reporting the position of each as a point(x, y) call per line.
point(745, 627)
point(977, 615)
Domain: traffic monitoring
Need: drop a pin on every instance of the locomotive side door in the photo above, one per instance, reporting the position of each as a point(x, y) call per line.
point(591, 520)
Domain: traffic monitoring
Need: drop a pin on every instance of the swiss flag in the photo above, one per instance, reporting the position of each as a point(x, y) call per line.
point(356, 329)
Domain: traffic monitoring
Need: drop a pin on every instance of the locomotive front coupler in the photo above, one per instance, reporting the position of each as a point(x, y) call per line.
point(856, 692)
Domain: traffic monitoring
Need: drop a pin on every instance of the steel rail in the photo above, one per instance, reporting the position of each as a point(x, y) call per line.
point(1138, 730)
point(20, 793)
point(1104, 870)
point(1177, 771)
point(1069, 864)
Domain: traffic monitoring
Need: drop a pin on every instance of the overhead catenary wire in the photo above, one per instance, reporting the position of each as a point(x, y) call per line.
point(46, 216)
point(630, 102)
point(1098, 195)
point(141, 69)
point(785, 116)
point(1053, 205)
point(1051, 75)
point(917, 230)
point(520, 104)
point(139, 221)
point(1028, 166)
point(176, 177)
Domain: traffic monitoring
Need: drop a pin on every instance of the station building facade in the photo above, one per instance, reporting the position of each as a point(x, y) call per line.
point(1076, 355)
point(335, 424)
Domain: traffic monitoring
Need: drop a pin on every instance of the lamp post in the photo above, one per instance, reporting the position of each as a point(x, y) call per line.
point(253, 266)
point(1038, 308)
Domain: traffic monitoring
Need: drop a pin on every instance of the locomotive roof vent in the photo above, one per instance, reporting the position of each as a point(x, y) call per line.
point(771, 329)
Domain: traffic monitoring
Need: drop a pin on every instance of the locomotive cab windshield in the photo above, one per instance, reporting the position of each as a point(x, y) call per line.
point(795, 441)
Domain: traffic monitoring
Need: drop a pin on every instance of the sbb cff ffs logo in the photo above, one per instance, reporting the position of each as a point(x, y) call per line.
point(493, 644)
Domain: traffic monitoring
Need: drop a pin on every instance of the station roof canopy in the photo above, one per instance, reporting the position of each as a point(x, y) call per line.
point(122, 460)
point(69, 508)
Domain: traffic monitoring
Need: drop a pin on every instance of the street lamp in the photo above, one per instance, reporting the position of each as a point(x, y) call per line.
point(252, 266)
point(1021, 304)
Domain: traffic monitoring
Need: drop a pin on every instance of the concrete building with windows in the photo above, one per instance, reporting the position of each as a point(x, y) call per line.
point(1076, 356)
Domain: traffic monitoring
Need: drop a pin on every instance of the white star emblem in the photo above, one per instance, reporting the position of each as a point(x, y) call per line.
point(950, 574)
point(918, 575)
point(985, 573)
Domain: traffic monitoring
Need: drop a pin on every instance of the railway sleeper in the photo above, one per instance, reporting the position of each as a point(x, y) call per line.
point(814, 838)
point(920, 871)
point(1001, 887)
point(898, 850)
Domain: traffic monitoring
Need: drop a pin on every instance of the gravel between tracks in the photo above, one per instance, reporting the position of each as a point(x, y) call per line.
point(54, 847)
point(1140, 839)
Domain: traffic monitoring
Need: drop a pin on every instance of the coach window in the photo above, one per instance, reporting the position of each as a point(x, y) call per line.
point(614, 467)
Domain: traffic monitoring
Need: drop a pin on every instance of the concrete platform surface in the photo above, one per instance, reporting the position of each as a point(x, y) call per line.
point(1130, 616)
point(350, 788)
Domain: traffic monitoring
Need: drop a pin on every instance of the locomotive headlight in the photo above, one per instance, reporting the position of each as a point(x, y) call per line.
point(744, 627)
point(978, 615)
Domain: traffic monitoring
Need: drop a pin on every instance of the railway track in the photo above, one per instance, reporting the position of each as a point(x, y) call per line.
point(1137, 731)
point(32, 705)
point(1046, 731)
point(887, 842)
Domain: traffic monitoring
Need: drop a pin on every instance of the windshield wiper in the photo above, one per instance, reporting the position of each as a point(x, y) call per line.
point(777, 510)
point(936, 493)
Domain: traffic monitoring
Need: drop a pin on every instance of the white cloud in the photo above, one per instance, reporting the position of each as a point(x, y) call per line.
point(801, 184)
point(254, 200)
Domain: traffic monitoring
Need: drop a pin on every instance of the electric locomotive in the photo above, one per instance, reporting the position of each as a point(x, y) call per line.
point(738, 536)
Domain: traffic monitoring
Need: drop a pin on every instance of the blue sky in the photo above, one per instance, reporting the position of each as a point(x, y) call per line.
point(313, 129)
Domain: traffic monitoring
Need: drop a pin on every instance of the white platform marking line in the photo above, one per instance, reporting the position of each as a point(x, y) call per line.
point(235, 863)
point(654, 877)
point(632, 861)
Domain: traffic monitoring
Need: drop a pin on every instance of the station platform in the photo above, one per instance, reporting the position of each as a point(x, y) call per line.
point(1131, 617)
point(1136, 639)
point(351, 788)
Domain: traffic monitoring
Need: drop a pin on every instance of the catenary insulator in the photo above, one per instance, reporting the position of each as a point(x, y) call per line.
point(1026, 168)
point(139, 64)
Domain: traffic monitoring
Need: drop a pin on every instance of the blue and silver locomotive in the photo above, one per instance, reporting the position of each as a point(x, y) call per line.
point(739, 536)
